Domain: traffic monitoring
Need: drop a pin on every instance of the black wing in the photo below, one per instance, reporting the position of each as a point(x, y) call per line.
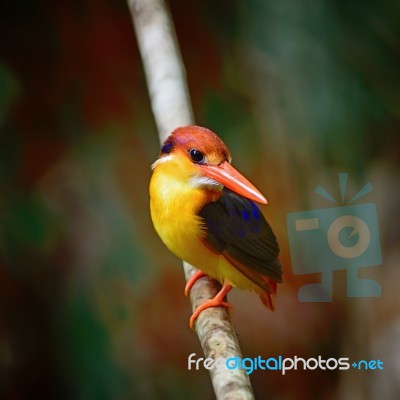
point(237, 229)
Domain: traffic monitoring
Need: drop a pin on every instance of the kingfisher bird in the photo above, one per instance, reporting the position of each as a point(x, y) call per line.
point(204, 211)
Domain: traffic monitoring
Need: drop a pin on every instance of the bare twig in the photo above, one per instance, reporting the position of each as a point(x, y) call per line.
point(171, 107)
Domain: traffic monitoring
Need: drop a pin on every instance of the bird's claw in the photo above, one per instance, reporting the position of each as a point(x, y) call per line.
point(192, 280)
point(208, 304)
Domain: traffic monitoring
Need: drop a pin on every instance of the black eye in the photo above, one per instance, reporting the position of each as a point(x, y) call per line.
point(196, 155)
point(166, 148)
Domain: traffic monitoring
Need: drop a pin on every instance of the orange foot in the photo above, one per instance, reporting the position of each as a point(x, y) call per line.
point(217, 301)
point(192, 281)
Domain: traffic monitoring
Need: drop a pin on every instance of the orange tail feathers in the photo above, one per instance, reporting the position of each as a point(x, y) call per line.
point(266, 296)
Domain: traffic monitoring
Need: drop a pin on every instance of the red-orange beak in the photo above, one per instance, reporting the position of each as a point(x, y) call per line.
point(228, 176)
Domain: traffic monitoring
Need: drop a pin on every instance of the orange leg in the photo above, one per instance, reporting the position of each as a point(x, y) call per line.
point(217, 301)
point(192, 281)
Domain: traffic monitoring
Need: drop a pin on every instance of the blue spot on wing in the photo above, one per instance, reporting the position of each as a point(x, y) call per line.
point(236, 226)
point(245, 215)
point(255, 210)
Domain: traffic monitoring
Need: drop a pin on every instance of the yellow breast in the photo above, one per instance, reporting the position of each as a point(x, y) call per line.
point(174, 204)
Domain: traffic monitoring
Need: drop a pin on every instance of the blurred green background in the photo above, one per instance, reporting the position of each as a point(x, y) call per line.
point(91, 302)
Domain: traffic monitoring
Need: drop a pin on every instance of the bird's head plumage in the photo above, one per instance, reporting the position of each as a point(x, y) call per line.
point(199, 157)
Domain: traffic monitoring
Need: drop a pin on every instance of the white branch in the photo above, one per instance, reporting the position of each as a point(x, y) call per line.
point(162, 64)
point(171, 107)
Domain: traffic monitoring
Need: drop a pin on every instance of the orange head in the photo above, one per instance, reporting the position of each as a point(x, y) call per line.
point(205, 161)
